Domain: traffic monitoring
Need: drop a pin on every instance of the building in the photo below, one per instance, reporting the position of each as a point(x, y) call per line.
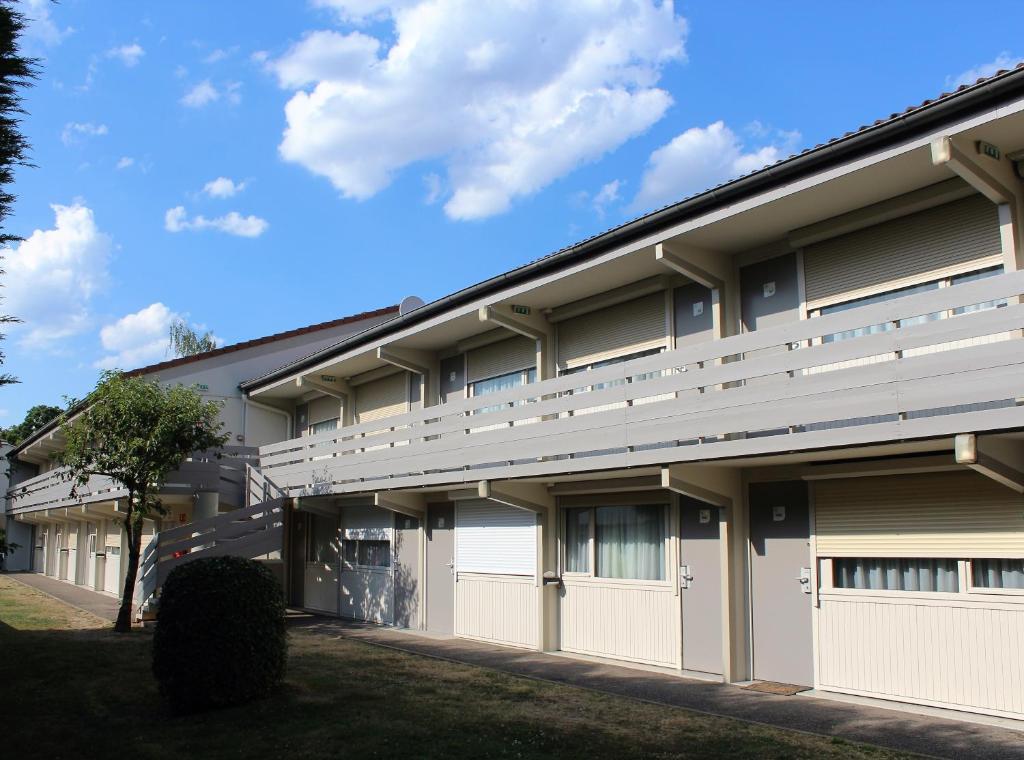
point(770, 432)
point(79, 538)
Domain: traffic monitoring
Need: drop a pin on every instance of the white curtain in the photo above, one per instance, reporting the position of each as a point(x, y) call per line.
point(577, 540)
point(998, 573)
point(889, 574)
point(630, 542)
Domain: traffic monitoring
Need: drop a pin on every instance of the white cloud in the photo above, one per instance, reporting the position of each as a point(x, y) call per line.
point(137, 339)
point(125, 162)
point(218, 54)
point(223, 187)
point(53, 275)
point(434, 188)
point(200, 95)
point(74, 131)
point(608, 194)
point(455, 86)
point(1002, 61)
point(701, 158)
point(176, 220)
point(129, 55)
point(180, 72)
point(259, 56)
point(41, 26)
point(206, 92)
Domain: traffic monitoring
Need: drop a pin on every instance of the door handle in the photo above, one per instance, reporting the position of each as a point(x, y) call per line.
point(805, 579)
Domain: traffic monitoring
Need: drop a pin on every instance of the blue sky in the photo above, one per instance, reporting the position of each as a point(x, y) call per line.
point(257, 170)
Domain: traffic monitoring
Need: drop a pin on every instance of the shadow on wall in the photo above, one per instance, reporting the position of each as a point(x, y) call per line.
point(407, 597)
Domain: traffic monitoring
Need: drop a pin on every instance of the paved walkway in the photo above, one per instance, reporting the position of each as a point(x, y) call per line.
point(936, 737)
point(98, 604)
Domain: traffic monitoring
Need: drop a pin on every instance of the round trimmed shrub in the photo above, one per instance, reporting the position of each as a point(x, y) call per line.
point(220, 634)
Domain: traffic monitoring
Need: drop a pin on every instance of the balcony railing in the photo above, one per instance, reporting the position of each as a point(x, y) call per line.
point(786, 388)
point(202, 471)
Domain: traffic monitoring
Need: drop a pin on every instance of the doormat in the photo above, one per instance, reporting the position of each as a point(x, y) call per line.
point(774, 687)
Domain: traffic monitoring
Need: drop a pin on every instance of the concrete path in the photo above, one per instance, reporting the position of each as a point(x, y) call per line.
point(926, 735)
point(98, 604)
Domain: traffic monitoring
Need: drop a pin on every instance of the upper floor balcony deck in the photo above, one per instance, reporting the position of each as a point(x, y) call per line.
point(923, 366)
point(201, 471)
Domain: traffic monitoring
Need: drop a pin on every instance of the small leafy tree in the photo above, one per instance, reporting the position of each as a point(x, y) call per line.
point(5, 547)
point(35, 418)
point(135, 431)
point(186, 341)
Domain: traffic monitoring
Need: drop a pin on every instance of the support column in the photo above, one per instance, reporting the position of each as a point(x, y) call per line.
point(100, 571)
point(207, 504)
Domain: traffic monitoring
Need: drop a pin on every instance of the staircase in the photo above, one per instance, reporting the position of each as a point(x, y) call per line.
point(253, 531)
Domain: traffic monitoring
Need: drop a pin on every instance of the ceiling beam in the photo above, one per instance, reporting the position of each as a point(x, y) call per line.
point(677, 260)
point(674, 478)
point(533, 497)
point(404, 502)
point(415, 361)
point(992, 457)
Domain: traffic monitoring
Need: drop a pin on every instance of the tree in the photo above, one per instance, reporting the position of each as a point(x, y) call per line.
point(135, 431)
point(185, 341)
point(35, 418)
point(16, 73)
point(5, 547)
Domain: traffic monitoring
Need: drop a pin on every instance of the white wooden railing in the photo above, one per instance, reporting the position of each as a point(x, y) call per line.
point(250, 532)
point(773, 390)
point(200, 471)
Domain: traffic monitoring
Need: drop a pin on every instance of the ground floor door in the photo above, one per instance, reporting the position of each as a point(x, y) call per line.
point(440, 562)
point(407, 572)
point(700, 582)
point(780, 589)
point(112, 569)
point(296, 558)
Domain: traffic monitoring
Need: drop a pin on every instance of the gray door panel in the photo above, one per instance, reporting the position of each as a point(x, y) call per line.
point(440, 573)
point(453, 378)
point(296, 557)
point(694, 318)
point(699, 554)
point(781, 611)
point(407, 563)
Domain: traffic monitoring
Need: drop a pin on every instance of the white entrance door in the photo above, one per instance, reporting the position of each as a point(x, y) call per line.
point(112, 576)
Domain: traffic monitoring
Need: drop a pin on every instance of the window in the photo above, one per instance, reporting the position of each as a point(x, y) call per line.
point(366, 553)
point(324, 426)
point(610, 362)
point(92, 543)
point(320, 536)
point(899, 293)
point(889, 574)
point(113, 551)
point(577, 540)
point(626, 542)
point(501, 383)
point(997, 573)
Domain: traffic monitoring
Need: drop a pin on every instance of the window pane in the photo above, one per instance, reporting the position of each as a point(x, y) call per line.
point(323, 426)
point(349, 550)
point(886, 574)
point(577, 540)
point(878, 298)
point(322, 531)
point(375, 553)
point(630, 542)
point(997, 573)
point(971, 277)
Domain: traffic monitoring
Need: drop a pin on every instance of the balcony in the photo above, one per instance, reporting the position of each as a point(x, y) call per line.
point(927, 365)
point(200, 472)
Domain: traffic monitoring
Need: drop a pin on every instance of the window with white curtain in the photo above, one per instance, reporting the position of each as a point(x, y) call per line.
point(895, 574)
point(501, 383)
point(997, 573)
point(322, 532)
point(323, 426)
point(625, 542)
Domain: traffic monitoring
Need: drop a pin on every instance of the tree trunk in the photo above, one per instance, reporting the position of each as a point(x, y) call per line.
point(124, 613)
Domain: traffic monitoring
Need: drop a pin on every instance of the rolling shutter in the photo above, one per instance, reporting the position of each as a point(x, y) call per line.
point(366, 523)
point(382, 398)
point(904, 250)
point(495, 538)
point(622, 329)
point(944, 514)
point(501, 358)
point(325, 408)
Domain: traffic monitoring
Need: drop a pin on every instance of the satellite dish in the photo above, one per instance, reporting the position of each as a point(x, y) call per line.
point(409, 303)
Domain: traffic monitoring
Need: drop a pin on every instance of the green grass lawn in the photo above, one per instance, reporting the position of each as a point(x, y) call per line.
point(74, 689)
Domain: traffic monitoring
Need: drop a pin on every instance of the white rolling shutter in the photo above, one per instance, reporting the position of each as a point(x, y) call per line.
point(382, 398)
point(495, 538)
point(367, 523)
point(625, 328)
point(946, 514)
point(325, 408)
point(501, 358)
point(903, 251)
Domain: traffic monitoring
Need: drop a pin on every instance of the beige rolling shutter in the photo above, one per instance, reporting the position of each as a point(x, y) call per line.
point(366, 523)
point(903, 250)
point(501, 358)
point(944, 514)
point(325, 408)
point(625, 328)
point(382, 398)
